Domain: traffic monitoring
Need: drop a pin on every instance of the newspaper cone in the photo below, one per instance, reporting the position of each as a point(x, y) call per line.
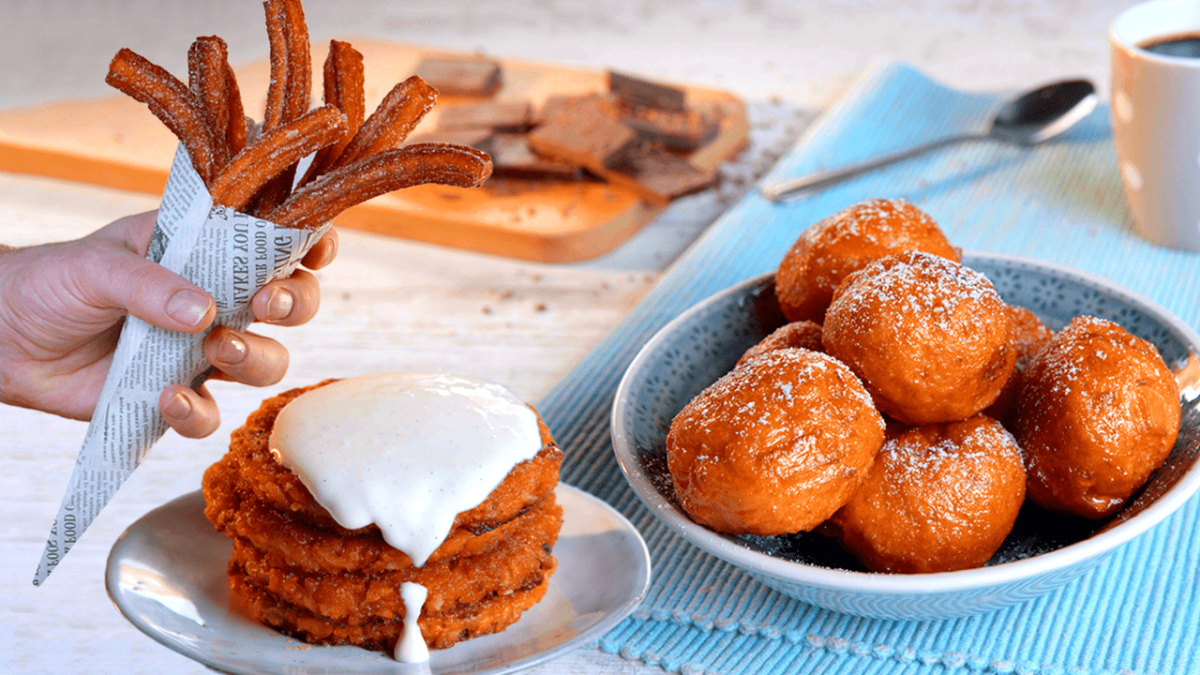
point(229, 254)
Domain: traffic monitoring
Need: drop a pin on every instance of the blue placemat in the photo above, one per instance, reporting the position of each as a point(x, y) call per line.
point(1135, 614)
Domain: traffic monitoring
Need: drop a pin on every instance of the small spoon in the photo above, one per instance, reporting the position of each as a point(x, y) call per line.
point(1029, 119)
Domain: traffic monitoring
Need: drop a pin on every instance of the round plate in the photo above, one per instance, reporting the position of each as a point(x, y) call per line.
point(167, 576)
point(1043, 552)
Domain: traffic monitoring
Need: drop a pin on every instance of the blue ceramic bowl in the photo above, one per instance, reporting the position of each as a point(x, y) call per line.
point(1043, 552)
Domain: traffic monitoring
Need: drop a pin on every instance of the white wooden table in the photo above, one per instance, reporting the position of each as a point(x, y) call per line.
point(394, 305)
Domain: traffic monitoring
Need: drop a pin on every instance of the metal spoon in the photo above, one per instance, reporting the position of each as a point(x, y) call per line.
point(1029, 119)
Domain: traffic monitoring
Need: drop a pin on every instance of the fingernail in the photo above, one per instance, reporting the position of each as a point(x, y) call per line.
point(279, 305)
point(188, 307)
point(178, 407)
point(231, 351)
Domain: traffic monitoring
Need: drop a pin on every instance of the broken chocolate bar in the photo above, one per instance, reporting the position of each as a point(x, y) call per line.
point(585, 131)
point(480, 139)
point(497, 116)
point(658, 175)
point(512, 156)
point(684, 131)
point(553, 107)
point(634, 91)
point(461, 77)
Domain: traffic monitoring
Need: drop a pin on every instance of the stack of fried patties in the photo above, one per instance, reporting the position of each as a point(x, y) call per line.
point(296, 570)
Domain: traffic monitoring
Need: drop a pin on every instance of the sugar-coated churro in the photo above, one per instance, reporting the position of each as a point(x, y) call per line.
point(297, 93)
point(171, 102)
point(397, 115)
point(239, 125)
point(343, 85)
point(378, 174)
point(273, 152)
point(208, 63)
point(277, 38)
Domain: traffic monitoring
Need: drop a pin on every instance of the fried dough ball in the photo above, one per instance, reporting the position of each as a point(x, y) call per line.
point(939, 498)
point(1029, 336)
point(775, 446)
point(1099, 412)
point(930, 338)
point(846, 242)
point(802, 334)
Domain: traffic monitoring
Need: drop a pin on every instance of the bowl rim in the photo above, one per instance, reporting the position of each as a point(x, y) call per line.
point(936, 583)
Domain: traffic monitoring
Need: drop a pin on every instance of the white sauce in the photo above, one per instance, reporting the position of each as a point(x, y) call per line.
point(405, 451)
point(410, 648)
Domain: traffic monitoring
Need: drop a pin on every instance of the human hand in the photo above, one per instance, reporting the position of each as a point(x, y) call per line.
point(62, 306)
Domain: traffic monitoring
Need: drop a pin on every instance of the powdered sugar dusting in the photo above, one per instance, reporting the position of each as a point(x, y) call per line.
point(882, 222)
point(1099, 412)
point(766, 397)
point(1072, 366)
point(961, 451)
point(940, 292)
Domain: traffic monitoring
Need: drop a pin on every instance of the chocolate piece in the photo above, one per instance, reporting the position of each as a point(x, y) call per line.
point(588, 131)
point(635, 91)
point(658, 175)
point(553, 107)
point(585, 131)
point(683, 131)
point(461, 77)
point(480, 139)
point(512, 156)
point(497, 116)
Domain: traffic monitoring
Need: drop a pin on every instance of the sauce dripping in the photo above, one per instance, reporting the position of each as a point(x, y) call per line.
point(410, 648)
point(407, 452)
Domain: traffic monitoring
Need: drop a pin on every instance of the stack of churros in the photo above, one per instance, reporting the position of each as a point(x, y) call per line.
point(254, 168)
point(297, 570)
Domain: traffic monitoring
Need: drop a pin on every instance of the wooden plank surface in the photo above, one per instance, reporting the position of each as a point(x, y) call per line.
point(115, 142)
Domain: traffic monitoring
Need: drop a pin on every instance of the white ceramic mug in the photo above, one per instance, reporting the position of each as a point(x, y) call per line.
point(1156, 121)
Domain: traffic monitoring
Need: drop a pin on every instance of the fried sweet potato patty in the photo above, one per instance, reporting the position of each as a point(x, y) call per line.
point(490, 615)
point(356, 598)
point(276, 485)
point(295, 569)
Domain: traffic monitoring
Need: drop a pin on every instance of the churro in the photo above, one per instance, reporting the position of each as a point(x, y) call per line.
point(277, 38)
point(378, 174)
point(343, 89)
point(297, 92)
point(397, 115)
point(171, 102)
point(236, 134)
point(273, 152)
point(208, 63)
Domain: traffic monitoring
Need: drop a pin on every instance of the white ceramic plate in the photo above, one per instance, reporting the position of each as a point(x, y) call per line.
point(167, 576)
point(1043, 552)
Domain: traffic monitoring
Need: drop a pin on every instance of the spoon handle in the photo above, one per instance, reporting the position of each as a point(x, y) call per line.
point(777, 191)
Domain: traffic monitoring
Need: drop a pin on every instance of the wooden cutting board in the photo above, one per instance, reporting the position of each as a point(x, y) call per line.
point(116, 142)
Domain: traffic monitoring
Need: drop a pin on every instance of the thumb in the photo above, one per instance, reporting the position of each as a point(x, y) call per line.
point(151, 292)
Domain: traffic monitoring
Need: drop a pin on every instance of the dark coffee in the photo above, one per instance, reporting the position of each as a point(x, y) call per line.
point(1182, 45)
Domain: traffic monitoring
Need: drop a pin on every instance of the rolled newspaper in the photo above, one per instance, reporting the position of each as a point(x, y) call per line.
point(229, 254)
